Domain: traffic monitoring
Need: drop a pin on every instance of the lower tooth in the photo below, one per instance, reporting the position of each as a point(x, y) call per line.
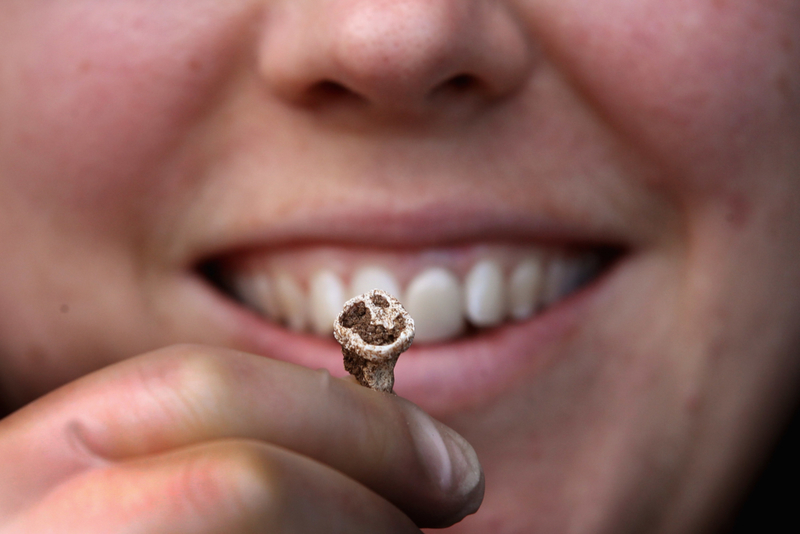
point(292, 302)
point(434, 300)
point(485, 299)
point(326, 296)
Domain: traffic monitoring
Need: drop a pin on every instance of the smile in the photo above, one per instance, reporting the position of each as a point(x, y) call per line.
point(494, 296)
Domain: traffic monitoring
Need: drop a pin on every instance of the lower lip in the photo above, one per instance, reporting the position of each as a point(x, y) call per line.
point(440, 378)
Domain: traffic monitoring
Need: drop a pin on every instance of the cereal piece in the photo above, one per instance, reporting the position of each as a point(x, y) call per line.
point(373, 329)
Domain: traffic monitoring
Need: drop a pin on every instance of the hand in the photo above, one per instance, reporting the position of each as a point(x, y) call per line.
point(198, 439)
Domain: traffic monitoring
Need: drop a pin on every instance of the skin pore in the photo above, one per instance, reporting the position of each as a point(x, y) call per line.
point(142, 140)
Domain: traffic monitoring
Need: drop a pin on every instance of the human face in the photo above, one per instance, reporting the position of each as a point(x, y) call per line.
point(152, 152)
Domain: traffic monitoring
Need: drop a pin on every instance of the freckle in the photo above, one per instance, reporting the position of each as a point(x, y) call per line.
point(64, 308)
point(84, 66)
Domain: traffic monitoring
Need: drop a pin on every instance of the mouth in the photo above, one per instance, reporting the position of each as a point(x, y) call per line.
point(488, 310)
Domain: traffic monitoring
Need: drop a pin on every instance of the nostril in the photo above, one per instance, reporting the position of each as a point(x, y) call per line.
point(330, 89)
point(459, 87)
point(330, 92)
point(462, 83)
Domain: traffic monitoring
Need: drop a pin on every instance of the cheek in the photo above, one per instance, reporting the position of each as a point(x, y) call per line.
point(97, 95)
point(699, 86)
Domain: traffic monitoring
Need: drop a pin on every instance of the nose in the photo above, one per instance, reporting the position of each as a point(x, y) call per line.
point(394, 57)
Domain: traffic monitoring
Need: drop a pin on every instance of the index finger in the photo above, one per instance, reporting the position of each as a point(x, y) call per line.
point(184, 395)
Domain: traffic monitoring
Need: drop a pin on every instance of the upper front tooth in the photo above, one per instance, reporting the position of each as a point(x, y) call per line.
point(292, 301)
point(326, 296)
point(525, 287)
point(434, 300)
point(485, 297)
point(369, 278)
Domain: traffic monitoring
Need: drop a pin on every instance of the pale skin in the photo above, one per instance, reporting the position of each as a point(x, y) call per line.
point(140, 137)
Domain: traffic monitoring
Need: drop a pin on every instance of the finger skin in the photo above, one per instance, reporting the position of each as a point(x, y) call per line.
point(236, 487)
point(185, 395)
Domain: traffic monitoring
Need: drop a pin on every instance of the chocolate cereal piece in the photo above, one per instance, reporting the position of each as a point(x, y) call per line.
point(373, 329)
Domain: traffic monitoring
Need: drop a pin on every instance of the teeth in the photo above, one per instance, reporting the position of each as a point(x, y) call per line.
point(292, 302)
point(369, 278)
point(585, 268)
point(434, 300)
point(565, 274)
point(326, 295)
point(485, 295)
point(556, 275)
point(257, 292)
point(525, 287)
point(483, 289)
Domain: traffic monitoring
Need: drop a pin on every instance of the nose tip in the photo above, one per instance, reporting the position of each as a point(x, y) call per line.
point(394, 56)
point(396, 51)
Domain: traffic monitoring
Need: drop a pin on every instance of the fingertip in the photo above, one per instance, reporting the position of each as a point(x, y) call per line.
point(469, 483)
point(451, 465)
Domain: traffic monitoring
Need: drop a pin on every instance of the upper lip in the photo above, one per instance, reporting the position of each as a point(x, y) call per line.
point(415, 226)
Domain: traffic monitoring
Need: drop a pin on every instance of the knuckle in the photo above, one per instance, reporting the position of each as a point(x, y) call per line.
point(236, 475)
point(187, 382)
